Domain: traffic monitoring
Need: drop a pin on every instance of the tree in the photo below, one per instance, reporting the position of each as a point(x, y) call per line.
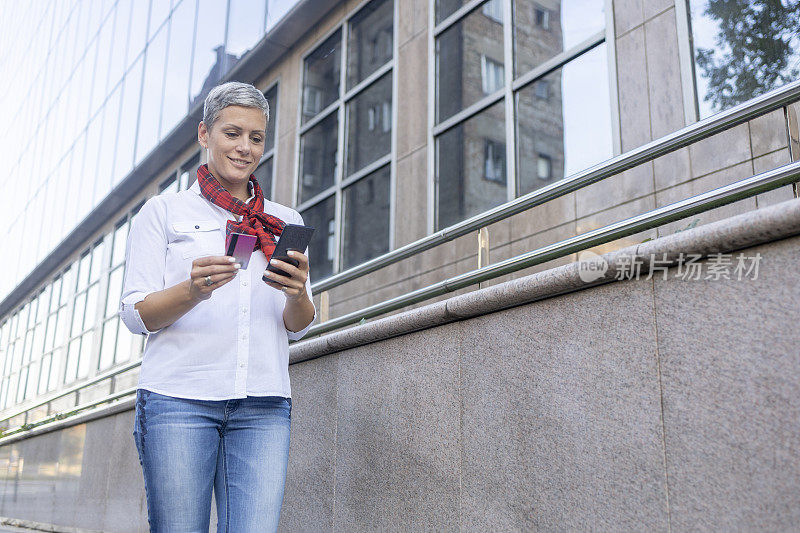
point(757, 49)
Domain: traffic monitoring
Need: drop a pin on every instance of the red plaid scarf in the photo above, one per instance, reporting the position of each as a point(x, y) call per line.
point(254, 220)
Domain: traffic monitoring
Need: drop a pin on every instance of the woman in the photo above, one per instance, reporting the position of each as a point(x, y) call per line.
point(213, 403)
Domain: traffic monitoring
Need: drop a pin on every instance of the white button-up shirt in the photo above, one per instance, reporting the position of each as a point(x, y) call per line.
point(232, 345)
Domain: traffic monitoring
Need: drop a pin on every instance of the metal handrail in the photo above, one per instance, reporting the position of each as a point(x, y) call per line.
point(75, 388)
point(700, 130)
point(696, 204)
point(669, 143)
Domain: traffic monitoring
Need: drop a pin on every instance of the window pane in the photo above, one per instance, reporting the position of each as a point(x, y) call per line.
point(83, 270)
point(72, 360)
point(209, 52)
point(179, 61)
point(322, 248)
point(369, 43)
point(263, 175)
point(114, 291)
point(86, 354)
point(272, 100)
point(105, 161)
point(318, 149)
point(68, 286)
point(189, 172)
point(138, 28)
point(366, 218)
point(129, 113)
point(321, 76)
point(104, 46)
point(445, 8)
point(542, 30)
point(158, 12)
point(33, 380)
point(52, 381)
point(369, 125)
point(44, 375)
point(742, 50)
point(77, 314)
point(91, 306)
point(120, 18)
point(564, 122)
point(123, 352)
point(246, 20)
point(465, 185)
point(108, 344)
point(276, 10)
point(459, 53)
point(150, 109)
point(97, 260)
point(120, 241)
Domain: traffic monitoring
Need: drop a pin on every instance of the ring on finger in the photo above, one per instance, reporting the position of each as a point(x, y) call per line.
point(208, 281)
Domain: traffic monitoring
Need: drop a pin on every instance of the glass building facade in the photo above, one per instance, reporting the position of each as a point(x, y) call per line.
point(520, 94)
point(97, 85)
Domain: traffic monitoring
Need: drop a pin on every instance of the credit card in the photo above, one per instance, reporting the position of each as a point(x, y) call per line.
point(240, 246)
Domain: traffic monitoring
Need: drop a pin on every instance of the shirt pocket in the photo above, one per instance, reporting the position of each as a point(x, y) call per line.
point(197, 238)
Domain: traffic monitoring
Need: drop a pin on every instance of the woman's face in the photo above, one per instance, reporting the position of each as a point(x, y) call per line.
point(235, 144)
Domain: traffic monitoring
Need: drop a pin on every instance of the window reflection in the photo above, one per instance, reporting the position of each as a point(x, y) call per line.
point(369, 43)
point(152, 92)
point(179, 62)
point(461, 50)
point(210, 60)
point(564, 122)
point(467, 182)
point(742, 50)
point(246, 20)
point(322, 249)
point(318, 148)
point(272, 99)
point(369, 125)
point(263, 175)
point(129, 114)
point(543, 30)
point(365, 213)
point(321, 76)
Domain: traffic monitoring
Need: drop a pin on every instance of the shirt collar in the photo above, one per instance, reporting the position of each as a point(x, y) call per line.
point(196, 188)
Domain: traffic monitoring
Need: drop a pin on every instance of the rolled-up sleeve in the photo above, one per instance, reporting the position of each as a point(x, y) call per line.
point(297, 335)
point(145, 260)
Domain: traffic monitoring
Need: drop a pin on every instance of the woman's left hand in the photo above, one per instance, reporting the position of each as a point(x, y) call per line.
point(295, 286)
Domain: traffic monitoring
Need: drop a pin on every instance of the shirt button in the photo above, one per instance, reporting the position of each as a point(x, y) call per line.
point(241, 365)
point(244, 282)
point(197, 227)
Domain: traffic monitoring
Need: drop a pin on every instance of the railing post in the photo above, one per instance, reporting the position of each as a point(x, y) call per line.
point(324, 307)
point(483, 248)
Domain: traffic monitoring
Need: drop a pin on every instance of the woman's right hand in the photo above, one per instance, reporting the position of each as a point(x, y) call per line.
point(219, 269)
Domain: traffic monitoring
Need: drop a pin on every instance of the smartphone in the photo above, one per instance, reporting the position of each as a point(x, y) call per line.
point(293, 237)
point(240, 246)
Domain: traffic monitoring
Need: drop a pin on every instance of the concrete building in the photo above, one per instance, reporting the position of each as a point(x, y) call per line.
point(528, 401)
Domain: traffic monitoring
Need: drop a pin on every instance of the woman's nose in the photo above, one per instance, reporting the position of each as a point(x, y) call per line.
point(243, 147)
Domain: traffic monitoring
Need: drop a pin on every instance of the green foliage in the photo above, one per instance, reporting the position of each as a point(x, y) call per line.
point(756, 49)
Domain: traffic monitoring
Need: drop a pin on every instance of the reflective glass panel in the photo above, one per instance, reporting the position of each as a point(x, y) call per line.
point(116, 66)
point(321, 76)
point(150, 108)
point(120, 241)
point(109, 342)
point(114, 291)
point(97, 260)
point(564, 122)
point(318, 148)
point(210, 61)
point(369, 44)
point(123, 351)
point(322, 249)
point(179, 61)
point(246, 19)
point(369, 125)
point(743, 49)
point(52, 381)
point(44, 374)
point(276, 10)
point(445, 8)
point(159, 9)
point(108, 142)
point(137, 22)
point(462, 51)
point(468, 159)
point(263, 175)
point(272, 100)
point(129, 113)
point(365, 213)
point(545, 29)
point(86, 354)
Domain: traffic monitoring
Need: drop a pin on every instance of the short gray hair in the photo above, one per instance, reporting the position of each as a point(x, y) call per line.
point(232, 93)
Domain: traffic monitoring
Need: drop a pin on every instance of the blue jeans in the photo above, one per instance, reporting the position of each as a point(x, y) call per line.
point(238, 447)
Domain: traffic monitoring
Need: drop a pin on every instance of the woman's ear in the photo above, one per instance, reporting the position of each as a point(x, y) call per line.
point(202, 134)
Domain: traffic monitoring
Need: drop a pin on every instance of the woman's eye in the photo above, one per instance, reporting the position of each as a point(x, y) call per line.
point(258, 140)
point(230, 134)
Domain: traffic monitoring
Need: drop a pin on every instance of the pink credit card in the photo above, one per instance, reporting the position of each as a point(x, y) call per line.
point(240, 246)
